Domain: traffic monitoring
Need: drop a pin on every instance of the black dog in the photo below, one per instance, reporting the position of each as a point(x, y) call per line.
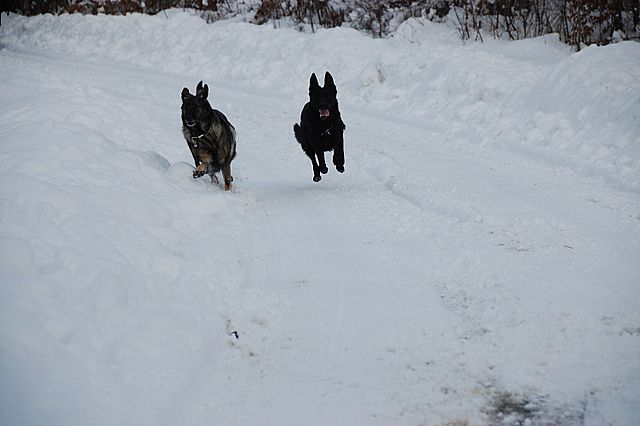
point(209, 135)
point(321, 127)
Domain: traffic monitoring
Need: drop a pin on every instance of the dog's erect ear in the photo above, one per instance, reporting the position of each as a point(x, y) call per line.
point(328, 81)
point(185, 93)
point(313, 84)
point(202, 91)
point(329, 84)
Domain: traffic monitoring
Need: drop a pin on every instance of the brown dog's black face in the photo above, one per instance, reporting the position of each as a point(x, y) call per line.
point(195, 109)
point(323, 99)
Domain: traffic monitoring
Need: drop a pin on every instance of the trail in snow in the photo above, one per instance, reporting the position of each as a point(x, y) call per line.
point(431, 279)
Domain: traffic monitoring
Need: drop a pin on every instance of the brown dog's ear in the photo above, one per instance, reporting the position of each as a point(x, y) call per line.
point(202, 91)
point(185, 93)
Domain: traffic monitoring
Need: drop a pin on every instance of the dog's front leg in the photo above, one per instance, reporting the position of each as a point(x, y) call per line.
point(321, 163)
point(312, 156)
point(200, 170)
point(316, 169)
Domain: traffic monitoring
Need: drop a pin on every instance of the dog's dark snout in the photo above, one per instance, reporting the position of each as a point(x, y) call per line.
point(188, 118)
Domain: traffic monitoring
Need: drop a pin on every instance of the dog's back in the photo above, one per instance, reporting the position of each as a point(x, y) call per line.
point(227, 139)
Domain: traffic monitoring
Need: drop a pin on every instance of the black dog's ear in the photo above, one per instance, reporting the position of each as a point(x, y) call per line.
point(185, 93)
point(313, 84)
point(202, 91)
point(328, 82)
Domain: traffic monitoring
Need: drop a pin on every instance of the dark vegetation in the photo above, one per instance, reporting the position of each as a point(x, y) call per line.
point(578, 22)
point(506, 408)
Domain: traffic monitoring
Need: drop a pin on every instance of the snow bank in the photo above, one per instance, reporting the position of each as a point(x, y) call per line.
point(589, 104)
point(106, 274)
point(575, 107)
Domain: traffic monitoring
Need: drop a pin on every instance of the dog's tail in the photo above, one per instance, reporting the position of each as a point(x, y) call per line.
point(297, 130)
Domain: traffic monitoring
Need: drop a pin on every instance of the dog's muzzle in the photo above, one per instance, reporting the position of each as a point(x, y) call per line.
point(190, 123)
point(324, 113)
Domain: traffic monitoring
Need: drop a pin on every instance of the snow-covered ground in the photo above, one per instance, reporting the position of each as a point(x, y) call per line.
point(477, 263)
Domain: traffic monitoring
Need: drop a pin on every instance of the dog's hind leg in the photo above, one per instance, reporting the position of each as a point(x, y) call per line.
point(226, 173)
point(338, 155)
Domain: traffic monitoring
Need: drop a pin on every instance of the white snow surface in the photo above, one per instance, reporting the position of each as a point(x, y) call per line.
point(478, 262)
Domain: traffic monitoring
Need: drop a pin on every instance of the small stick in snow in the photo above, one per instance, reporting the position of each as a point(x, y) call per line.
point(231, 330)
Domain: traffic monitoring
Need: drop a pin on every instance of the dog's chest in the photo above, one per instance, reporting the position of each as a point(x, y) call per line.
point(205, 141)
point(326, 138)
point(326, 133)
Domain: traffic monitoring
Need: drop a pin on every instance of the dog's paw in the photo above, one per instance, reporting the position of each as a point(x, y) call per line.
point(197, 174)
point(340, 169)
point(317, 178)
point(324, 170)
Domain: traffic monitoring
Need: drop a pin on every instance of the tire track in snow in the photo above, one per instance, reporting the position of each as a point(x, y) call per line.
point(389, 172)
